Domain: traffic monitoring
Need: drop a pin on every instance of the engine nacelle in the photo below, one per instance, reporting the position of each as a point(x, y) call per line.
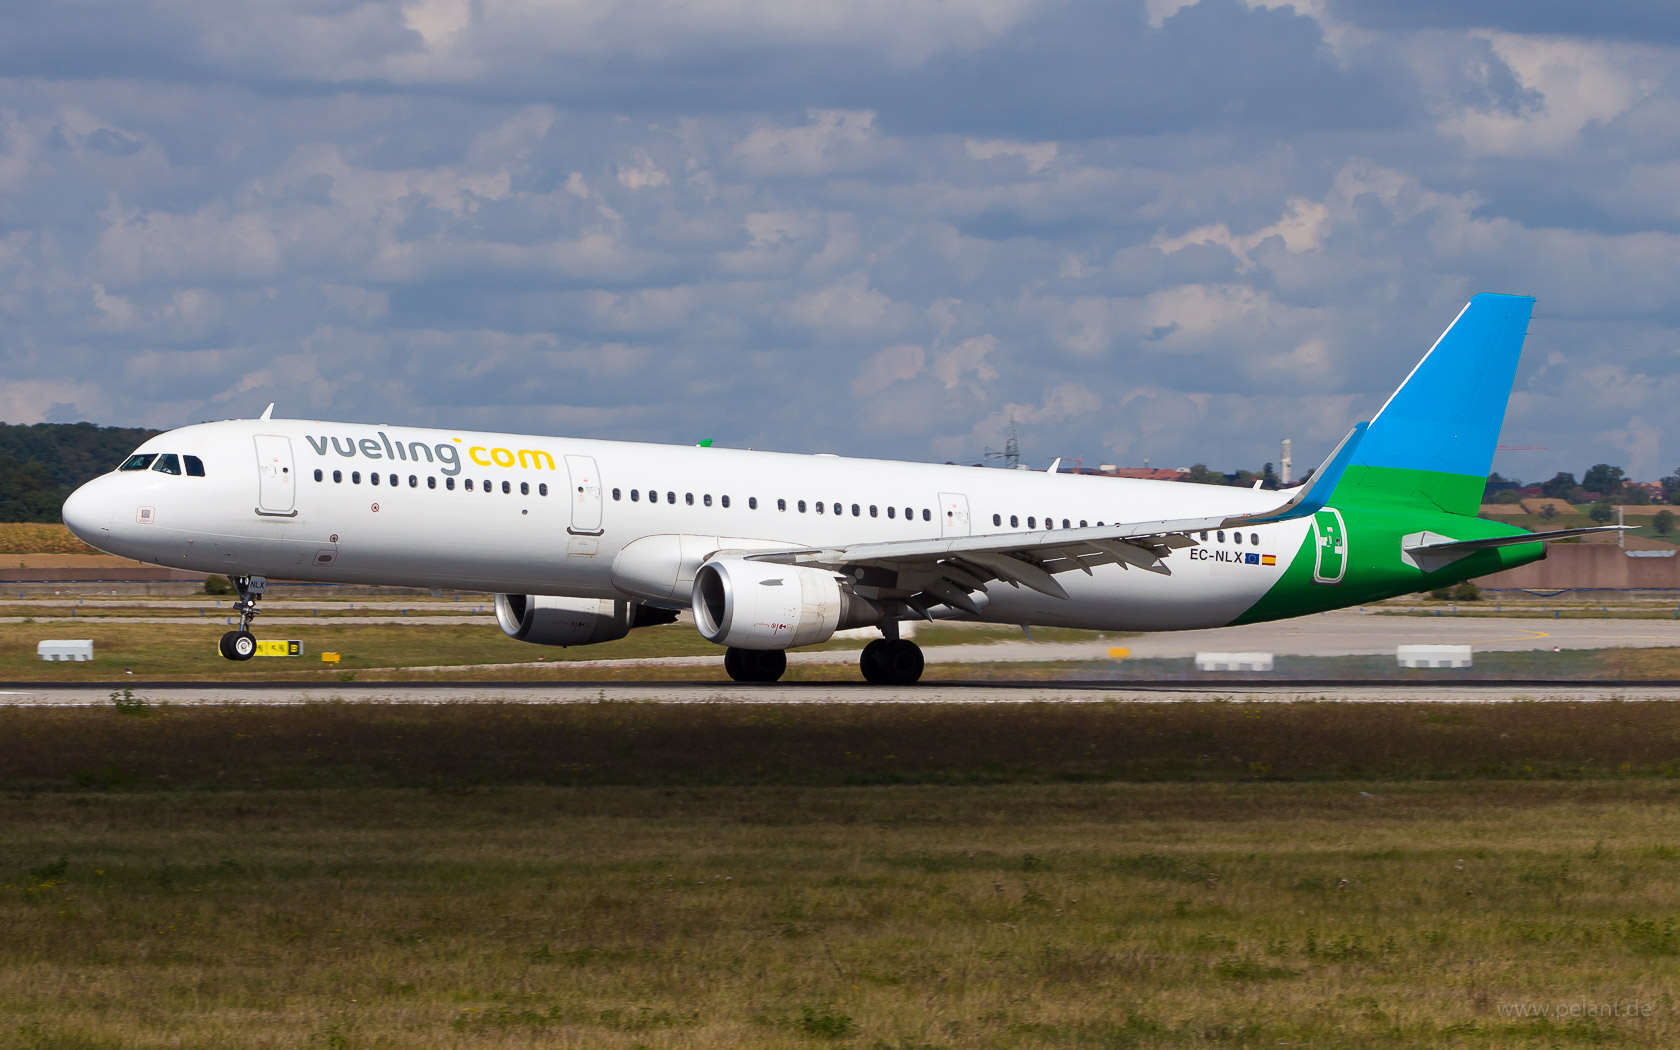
point(545, 619)
point(761, 605)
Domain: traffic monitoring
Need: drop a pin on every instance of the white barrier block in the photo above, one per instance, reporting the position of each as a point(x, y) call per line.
point(1433, 655)
point(1233, 661)
point(65, 649)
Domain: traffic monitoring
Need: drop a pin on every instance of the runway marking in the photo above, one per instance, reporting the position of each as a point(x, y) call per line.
point(1514, 638)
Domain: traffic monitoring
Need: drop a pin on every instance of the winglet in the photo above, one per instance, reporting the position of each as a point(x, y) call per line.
point(269, 411)
point(1312, 497)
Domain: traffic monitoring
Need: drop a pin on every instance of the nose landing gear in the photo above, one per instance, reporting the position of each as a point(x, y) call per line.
point(241, 644)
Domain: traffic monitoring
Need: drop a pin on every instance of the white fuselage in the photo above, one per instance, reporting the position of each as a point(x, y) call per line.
point(536, 515)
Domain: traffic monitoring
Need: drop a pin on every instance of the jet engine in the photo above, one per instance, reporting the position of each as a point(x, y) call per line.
point(761, 605)
point(544, 619)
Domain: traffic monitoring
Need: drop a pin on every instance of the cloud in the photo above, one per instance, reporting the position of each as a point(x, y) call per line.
point(1162, 229)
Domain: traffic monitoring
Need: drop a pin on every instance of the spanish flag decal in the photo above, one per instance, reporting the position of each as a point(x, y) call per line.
point(1268, 559)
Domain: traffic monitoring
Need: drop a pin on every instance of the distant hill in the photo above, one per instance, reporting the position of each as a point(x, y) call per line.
point(42, 463)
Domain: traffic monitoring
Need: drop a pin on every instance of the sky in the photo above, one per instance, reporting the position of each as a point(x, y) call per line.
point(1140, 230)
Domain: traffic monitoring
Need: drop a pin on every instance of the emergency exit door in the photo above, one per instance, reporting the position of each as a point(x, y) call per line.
point(586, 495)
point(953, 514)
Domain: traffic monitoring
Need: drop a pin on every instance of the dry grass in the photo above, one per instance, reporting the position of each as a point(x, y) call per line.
point(899, 917)
point(39, 538)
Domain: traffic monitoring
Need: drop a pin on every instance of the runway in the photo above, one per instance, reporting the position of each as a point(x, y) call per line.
point(794, 693)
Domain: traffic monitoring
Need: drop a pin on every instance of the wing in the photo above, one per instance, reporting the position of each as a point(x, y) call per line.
point(925, 574)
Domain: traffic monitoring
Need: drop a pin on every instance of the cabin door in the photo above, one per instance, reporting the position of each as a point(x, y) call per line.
point(276, 489)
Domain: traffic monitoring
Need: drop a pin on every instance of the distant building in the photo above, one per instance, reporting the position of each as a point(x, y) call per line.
point(1148, 473)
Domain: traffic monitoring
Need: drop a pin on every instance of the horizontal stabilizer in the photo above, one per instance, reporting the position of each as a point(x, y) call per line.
point(1467, 546)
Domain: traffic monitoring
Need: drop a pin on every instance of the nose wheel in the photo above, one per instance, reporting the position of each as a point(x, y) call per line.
point(891, 661)
point(242, 644)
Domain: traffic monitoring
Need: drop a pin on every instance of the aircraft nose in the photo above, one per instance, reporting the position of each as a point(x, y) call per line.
point(87, 512)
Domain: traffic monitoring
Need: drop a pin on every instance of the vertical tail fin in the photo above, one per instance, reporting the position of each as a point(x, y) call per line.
point(1434, 439)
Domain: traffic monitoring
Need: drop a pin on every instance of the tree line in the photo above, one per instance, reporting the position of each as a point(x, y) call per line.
point(42, 463)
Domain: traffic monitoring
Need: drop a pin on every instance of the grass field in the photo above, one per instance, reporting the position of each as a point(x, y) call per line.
point(623, 875)
point(40, 538)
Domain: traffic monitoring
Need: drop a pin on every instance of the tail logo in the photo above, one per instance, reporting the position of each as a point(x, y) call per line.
point(1330, 548)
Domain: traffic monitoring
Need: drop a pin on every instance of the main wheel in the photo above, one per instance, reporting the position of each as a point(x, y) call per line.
point(899, 663)
point(767, 665)
point(869, 661)
point(238, 645)
point(754, 665)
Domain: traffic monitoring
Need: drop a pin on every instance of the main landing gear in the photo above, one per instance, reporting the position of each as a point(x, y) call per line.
point(241, 644)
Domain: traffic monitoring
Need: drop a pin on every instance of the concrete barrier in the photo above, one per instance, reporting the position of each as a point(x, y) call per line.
point(1433, 655)
point(79, 650)
point(1233, 661)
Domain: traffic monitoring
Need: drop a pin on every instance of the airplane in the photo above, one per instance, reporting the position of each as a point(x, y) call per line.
point(583, 541)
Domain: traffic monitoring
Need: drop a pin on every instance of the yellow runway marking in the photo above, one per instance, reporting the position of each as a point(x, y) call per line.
point(1514, 638)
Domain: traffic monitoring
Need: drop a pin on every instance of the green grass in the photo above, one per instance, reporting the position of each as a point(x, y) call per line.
point(1177, 915)
point(620, 874)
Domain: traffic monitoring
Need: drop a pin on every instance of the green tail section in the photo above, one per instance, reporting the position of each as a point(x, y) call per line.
point(1420, 467)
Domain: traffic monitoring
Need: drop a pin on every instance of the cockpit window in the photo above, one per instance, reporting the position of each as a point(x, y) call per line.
point(168, 463)
point(195, 466)
point(138, 461)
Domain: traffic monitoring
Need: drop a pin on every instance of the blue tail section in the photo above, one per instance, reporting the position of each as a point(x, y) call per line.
point(1445, 418)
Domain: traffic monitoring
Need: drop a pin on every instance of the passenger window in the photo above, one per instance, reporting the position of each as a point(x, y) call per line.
point(355, 477)
point(752, 502)
point(338, 477)
point(449, 483)
point(927, 515)
point(997, 519)
point(138, 461)
point(542, 489)
point(706, 499)
point(1254, 538)
point(1014, 522)
point(909, 514)
point(1082, 523)
point(723, 501)
point(688, 498)
point(507, 489)
point(524, 488)
point(318, 474)
point(1236, 537)
point(671, 498)
point(468, 484)
point(1204, 535)
point(413, 482)
point(373, 479)
point(857, 512)
point(168, 463)
point(431, 481)
point(1065, 524)
point(873, 512)
point(892, 512)
point(393, 481)
point(1032, 522)
point(1220, 535)
point(801, 505)
point(635, 496)
point(819, 506)
point(781, 504)
point(195, 467)
point(617, 495)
